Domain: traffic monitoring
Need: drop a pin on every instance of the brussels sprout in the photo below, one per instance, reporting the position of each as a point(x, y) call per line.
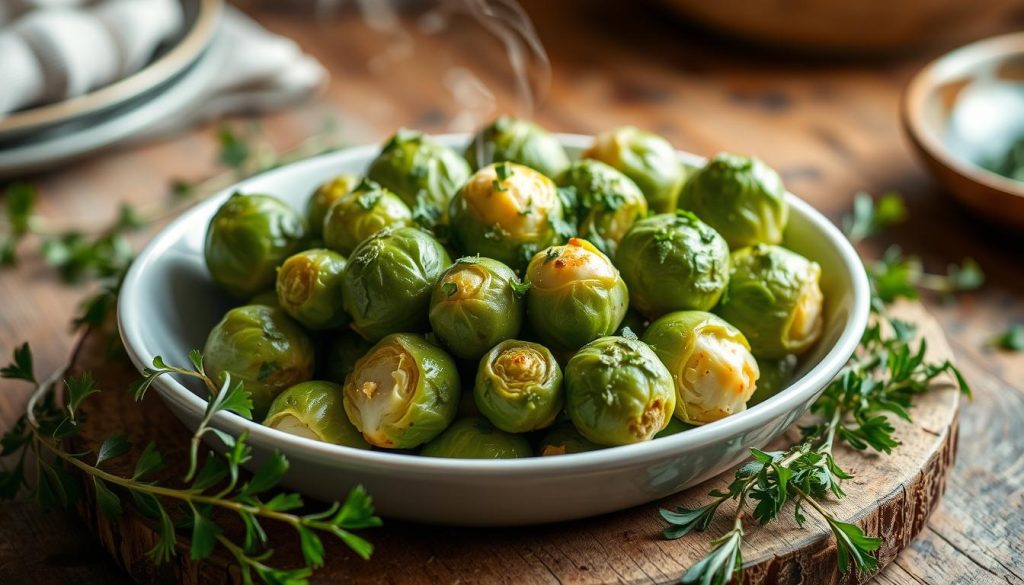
point(617, 392)
point(475, 438)
point(507, 212)
point(774, 299)
point(510, 139)
point(387, 283)
point(775, 376)
point(609, 202)
point(342, 354)
point(519, 386)
point(675, 426)
point(475, 304)
point(563, 439)
point(309, 288)
point(248, 238)
point(710, 361)
point(403, 392)
point(314, 410)
point(673, 262)
point(742, 198)
point(364, 212)
point(262, 347)
point(422, 172)
point(267, 297)
point(576, 295)
point(325, 196)
point(646, 158)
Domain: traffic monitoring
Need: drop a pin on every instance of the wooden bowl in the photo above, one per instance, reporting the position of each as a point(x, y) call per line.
point(966, 107)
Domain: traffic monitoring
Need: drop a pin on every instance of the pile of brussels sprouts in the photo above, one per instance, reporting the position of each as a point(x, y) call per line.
point(508, 301)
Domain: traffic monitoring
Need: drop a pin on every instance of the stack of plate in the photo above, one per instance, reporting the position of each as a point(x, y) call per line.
point(44, 136)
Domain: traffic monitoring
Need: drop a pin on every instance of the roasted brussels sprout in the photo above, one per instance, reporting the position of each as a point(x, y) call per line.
point(314, 410)
point(475, 438)
point(403, 392)
point(325, 196)
point(365, 211)
point(248, 237)
point(774, 299)
point(475, 304)
point(646, 158)
point(342, 353)
point(509, 139)
point(267, 297)
point(563, 439)
point(507, 212)
point(387, 283)
point(618, 392)
point(309, 288)
point(675, 426)
point(712, 368)
point(262, 347)
point(776, 374)
point(609, 202)
point(519, 386)
point(422, 172)
point(576, 295)
point(742, 198)
point(673, 262)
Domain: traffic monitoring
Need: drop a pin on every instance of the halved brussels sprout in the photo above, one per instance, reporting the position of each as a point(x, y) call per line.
point(387, 283)
point(576, 295)
point(510, 139)
point(475, 304)
point(422, 172)
point(672, 262)
point(507, 212)
point(314, 410)
point(564, 439)
point(342, 353)
point(324, 197)
point(309, 288)
point(675, 426)
point(365, 211)
point(742, 198)
point(248, 238)
point(609, 202)
point(776, 374)
point(403, 392)
point(712, 368)
point(519, 386)
point(617, 392)
point(646, 158)
point(475, 438)
point(775, 300)
point(262, 347)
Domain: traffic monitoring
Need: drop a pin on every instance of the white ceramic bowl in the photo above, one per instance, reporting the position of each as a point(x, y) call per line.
point(168, 305)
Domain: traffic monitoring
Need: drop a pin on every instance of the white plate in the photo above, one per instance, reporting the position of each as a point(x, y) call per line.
point(168, 305)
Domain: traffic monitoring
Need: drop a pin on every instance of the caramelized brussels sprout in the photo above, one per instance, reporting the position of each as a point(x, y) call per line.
point(387, 283)
point(675, 426)
point(576, 295)
point(403, 392)
point(617, 392)
point(775, 300)
point(742, 198)
point(475, 438)
point(564, 439)
point(342, 354)
point(712, 368)
point(314, 410)
point(609, 202)
point(365, 211)
point(507, 212)
point(309, 288)
point(248, 238)
point(510, 139)
point(776, 375)
point(475, 304)
point(262, 347)
point(325, 196)
point(519, 386)
point(646, 158)
point(673, 262)
point(422, 172)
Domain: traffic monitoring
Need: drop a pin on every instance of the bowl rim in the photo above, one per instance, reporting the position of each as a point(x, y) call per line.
point(813, 382)
point(936, 74)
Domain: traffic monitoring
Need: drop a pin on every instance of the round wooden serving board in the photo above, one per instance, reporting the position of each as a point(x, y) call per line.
point(890, 496)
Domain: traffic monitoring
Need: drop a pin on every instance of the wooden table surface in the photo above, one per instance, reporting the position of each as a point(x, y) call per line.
point(830, 126)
